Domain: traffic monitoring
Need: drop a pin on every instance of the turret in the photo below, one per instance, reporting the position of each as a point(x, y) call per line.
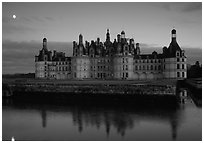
point(137, 49)
point(174, 48)
point(98, 41)
point(123, 35)
point(75, 49)
point(118, 38)
point(107, 35)
point(80, 39)
point(132, 47)
point(173, 35)
point(44, 43)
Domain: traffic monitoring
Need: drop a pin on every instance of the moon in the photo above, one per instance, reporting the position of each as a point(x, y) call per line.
point(14, 16)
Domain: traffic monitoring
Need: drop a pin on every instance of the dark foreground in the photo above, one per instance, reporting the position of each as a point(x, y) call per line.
point(34, 119)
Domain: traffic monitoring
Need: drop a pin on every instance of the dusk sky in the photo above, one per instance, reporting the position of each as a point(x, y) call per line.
point(148, 23)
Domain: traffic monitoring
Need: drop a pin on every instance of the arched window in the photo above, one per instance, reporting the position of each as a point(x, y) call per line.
point(177, 54)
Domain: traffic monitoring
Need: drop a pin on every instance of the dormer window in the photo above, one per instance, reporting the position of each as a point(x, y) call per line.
point(177, 54)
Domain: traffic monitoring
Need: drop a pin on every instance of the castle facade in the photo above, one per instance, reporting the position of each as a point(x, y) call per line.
point(120, 59)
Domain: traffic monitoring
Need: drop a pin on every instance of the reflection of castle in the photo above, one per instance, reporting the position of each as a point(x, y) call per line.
point(121, 120)
point(120, 59)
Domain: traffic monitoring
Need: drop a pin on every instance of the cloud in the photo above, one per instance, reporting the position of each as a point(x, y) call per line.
point(191, 7)
point(49, 18)
point(10, 29)
point(180, 6)
point(23, 24)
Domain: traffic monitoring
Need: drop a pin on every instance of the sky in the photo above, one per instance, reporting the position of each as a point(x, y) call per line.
point(148, 23)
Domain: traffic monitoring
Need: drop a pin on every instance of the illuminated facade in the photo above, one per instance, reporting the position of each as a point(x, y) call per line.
point(120, 59)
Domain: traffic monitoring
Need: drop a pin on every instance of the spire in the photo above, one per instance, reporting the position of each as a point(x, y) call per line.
point(107, 35)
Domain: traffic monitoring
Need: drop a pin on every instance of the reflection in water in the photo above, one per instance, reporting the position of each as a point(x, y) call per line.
point(119, 119)
point(44, 117)
point(123, 120)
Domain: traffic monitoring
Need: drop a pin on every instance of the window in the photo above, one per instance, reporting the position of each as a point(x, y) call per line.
point(139, 67)
point(126, 75)
point(126, 67)
point(155, 67)
point(136, 68)
point(177, 59)
point(151, 61)
point(151, 67)
point(164, 67)
point(147, 67)
point(177, 54)
point(143, 67)
point(178, 66)
point(159, 67)
point(178, 74)
point(126, 60)
point(183, 74)
point(182, 59)
point(182, 66)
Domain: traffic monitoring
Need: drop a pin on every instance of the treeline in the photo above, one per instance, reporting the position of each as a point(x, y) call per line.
point(194, 71)
point(19, 75)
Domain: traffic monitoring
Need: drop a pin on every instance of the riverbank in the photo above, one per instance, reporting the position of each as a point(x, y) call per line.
point(90, 91)
point(156, 87)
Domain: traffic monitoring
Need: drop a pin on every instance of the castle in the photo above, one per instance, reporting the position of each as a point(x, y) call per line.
point(120, 59)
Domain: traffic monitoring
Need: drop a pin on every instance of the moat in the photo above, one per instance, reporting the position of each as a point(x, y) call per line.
point(45, 121)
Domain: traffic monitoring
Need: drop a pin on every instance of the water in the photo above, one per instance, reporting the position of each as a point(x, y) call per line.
point(77, 122)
